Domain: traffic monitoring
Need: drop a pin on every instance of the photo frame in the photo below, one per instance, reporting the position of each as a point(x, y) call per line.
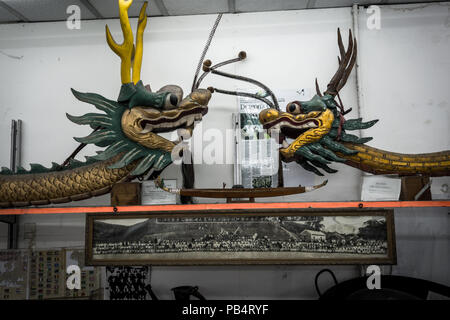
point(223, 237)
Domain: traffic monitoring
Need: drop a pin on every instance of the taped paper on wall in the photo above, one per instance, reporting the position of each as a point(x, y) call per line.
point(13, 274)
point(154, 195)
point(379, 188)
point(259, 163)
point(440, 188)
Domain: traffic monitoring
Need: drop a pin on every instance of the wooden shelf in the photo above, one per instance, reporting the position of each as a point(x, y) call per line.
point(228, 206)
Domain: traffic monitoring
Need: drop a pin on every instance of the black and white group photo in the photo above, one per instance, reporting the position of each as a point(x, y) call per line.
point(241, 237)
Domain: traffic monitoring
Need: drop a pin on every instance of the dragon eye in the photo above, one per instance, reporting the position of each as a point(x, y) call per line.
point(171, 101)
point(294, 108)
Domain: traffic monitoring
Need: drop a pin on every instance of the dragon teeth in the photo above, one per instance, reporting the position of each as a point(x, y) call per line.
point(148, 128)
point(190, 120)
point(183, 133)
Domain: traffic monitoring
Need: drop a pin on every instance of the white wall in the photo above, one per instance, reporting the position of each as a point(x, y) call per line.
point(405, 70)
point(405, 75)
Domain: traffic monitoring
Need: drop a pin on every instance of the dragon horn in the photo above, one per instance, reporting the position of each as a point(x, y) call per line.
point(346, 62)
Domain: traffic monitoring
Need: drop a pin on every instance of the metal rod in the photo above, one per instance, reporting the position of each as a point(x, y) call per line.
point(18, 155)
point(221, 64)
point(245, 94)
point(280, 172)
point(12, 234)
point(237, 146)
point(12, 227)
point(358, 83)
point(359, 93)
point(12, 163)
point(255, 82)
point(76, 151)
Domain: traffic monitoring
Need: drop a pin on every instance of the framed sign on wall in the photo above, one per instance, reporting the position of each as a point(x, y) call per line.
point(362, 236)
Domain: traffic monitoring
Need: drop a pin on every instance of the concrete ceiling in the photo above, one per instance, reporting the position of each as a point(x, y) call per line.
point(12, 11)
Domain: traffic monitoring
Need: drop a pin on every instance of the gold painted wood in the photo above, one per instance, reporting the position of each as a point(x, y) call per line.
point(239, 192)
point(137, 63)
point(127, 51)
point(378, 161)
point(325, 120)
point(61, 186)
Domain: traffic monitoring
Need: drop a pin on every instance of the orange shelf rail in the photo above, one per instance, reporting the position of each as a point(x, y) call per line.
point(227, 206)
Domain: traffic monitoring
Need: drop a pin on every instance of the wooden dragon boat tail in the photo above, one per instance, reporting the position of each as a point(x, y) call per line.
point(376, 161)
point(59, 186)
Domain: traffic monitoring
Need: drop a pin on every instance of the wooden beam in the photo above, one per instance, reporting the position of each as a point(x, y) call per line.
point(92, 9)
point(14, 12)
point(162, 7)
point(8, 219)
point(229, 206)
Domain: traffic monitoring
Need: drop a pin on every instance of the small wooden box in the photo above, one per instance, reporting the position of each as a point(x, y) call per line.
point(411, 186)
point(126, 194)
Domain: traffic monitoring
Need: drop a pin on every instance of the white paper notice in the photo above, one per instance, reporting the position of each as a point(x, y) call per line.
point(259, 154)
point(440, 188)
point(380, 189)
point(154, 195)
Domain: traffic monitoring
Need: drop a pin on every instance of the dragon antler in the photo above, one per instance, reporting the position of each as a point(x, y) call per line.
point(137, 63)
point(127, 51)
point(346, 63)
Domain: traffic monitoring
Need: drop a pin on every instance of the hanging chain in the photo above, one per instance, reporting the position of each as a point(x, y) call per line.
point(205, 49)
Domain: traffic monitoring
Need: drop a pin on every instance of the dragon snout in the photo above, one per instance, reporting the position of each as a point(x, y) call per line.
point(268, 115)
point(201, 96)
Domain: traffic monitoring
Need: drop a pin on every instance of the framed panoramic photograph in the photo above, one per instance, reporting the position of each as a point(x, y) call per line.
point(353, 236)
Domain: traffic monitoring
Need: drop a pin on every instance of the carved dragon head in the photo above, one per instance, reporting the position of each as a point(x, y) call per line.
point(318, 126)
point(131, 125)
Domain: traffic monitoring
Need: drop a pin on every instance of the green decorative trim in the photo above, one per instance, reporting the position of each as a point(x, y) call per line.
point(137, 95)
point(126, 92)
point(38, 168)
point(321, 153)
point(112, 137)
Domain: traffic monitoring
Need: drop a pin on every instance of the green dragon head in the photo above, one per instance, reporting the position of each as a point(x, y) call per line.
point(318, 126)
point(130, 126)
